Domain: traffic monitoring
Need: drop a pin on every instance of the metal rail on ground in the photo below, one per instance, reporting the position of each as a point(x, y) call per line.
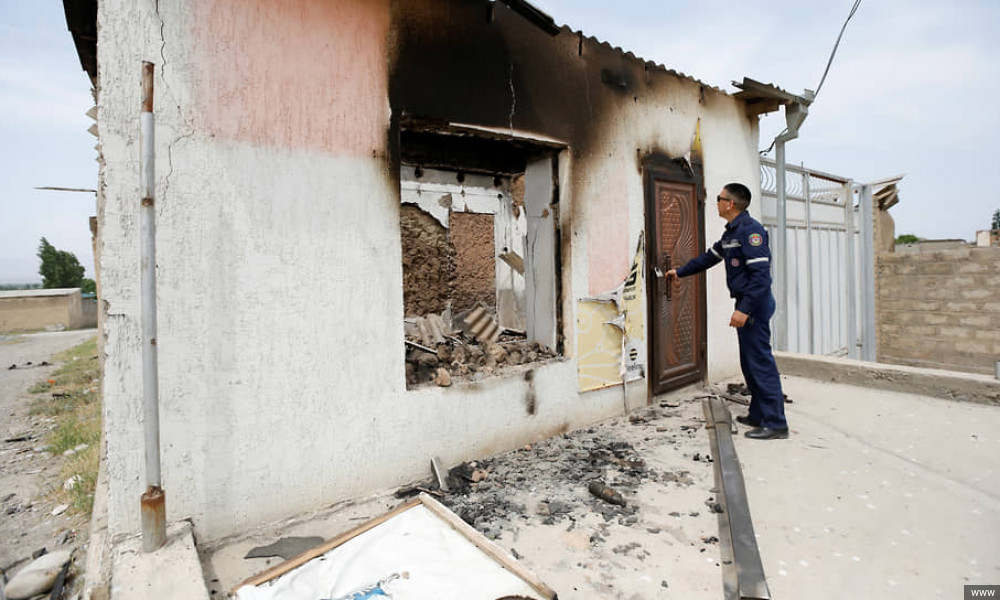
point(742, 571)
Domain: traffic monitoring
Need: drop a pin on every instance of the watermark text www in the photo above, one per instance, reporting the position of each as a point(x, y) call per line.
point(982, 591)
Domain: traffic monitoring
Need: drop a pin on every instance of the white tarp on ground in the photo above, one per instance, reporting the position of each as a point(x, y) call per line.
point(440, 562)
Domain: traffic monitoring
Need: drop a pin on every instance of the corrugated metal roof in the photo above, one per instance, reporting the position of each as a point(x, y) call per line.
point(648, 63)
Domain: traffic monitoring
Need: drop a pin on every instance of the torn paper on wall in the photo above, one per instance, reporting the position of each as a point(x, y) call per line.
point(611, 346)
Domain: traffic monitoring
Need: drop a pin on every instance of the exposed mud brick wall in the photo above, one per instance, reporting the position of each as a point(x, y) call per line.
point(475, 261)
point(940, 309)
point(427, 262)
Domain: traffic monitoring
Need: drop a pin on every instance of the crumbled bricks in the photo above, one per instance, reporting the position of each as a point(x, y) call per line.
point(460, 357)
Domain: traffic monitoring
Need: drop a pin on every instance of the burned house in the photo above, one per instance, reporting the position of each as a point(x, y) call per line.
point(330, 175)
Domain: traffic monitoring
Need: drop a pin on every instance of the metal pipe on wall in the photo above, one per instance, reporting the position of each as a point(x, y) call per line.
point(780, 271)
point(153, 502)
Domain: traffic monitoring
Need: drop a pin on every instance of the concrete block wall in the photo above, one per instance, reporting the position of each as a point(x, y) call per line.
point(940, 309)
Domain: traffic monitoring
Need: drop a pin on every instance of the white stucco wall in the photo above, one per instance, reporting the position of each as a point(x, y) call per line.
point(667, 121)
point(281, 338)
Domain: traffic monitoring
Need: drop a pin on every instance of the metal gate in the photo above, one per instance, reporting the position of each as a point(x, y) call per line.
point(827, 266)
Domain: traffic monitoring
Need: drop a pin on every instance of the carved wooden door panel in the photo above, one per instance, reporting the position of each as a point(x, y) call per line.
point(677, 313)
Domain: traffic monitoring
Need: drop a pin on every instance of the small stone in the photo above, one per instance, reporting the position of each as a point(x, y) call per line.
point(559, 508)
point(72, 482)
point(654, 529)
point(38, 577)
point(82, 447)
point(60, 510)
point(670, 404)
point(442, 378)
point(69, 452)
point(664, 584)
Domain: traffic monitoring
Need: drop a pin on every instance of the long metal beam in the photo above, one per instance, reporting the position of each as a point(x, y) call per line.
point(752, 584)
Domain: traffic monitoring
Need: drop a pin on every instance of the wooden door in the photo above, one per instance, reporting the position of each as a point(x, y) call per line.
point(675, 230)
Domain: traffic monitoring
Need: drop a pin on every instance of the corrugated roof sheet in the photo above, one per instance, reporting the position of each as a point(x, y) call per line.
point(648, 63)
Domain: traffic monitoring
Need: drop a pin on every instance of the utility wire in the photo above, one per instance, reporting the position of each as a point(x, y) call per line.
point(773, 142)
point(854, 9)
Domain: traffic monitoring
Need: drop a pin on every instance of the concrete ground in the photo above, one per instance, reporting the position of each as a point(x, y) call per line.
point(877, 494)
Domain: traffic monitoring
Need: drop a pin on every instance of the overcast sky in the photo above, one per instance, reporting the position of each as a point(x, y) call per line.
point(914, 89)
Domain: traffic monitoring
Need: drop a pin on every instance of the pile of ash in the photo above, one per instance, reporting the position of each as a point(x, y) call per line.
point(579, 471)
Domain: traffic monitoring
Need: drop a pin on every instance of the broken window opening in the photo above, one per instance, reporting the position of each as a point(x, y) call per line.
point(479, 268)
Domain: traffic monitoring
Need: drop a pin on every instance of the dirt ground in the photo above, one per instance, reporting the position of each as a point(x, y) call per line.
point(28, 474)
point(535, 503)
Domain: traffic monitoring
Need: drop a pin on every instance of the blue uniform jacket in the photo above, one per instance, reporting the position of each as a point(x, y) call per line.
point(744, 246)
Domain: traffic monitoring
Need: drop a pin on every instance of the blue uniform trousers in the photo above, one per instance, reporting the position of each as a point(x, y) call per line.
point(767, 404)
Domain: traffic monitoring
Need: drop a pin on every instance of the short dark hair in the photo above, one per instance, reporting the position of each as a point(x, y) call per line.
point(740, 193)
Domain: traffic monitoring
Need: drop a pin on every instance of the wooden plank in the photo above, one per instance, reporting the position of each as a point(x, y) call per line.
point(297, 561)
point(489, 548)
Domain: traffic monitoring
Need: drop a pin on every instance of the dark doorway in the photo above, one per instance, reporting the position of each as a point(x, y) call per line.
point(675, 228)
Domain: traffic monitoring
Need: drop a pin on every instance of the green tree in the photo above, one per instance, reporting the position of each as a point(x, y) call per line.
point(907, 238)
point(59, 269)
point(996, 219)
point(88, 286)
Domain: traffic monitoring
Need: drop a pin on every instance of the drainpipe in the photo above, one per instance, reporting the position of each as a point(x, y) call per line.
point(795, 114)
point(153, 501)
point(780, 260)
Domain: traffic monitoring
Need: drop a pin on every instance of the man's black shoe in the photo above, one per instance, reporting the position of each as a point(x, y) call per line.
point(746, 420)
point(763, 433)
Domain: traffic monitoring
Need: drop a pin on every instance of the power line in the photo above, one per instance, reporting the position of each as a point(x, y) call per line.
point(854, 9)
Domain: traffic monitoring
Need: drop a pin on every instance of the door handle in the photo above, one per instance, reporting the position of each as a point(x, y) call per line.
point(666, 267)
point(662, 282)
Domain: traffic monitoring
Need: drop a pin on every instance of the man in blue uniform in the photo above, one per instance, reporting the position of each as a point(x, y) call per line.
point(744, 248)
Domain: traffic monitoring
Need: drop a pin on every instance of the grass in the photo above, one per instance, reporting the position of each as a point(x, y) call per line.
point(72, 397)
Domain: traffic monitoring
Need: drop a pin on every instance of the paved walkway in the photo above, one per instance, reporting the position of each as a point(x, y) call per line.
point(877, 494)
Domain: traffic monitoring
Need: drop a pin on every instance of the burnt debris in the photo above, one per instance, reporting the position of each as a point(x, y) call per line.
point(462, 356)
point(494, 494)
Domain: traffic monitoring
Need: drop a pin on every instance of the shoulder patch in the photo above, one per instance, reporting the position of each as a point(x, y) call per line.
point(756, 239)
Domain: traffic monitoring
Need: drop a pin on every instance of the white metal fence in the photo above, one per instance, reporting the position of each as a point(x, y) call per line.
point(824, 262)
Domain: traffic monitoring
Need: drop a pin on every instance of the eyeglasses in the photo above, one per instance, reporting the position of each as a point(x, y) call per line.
point(721, 199)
